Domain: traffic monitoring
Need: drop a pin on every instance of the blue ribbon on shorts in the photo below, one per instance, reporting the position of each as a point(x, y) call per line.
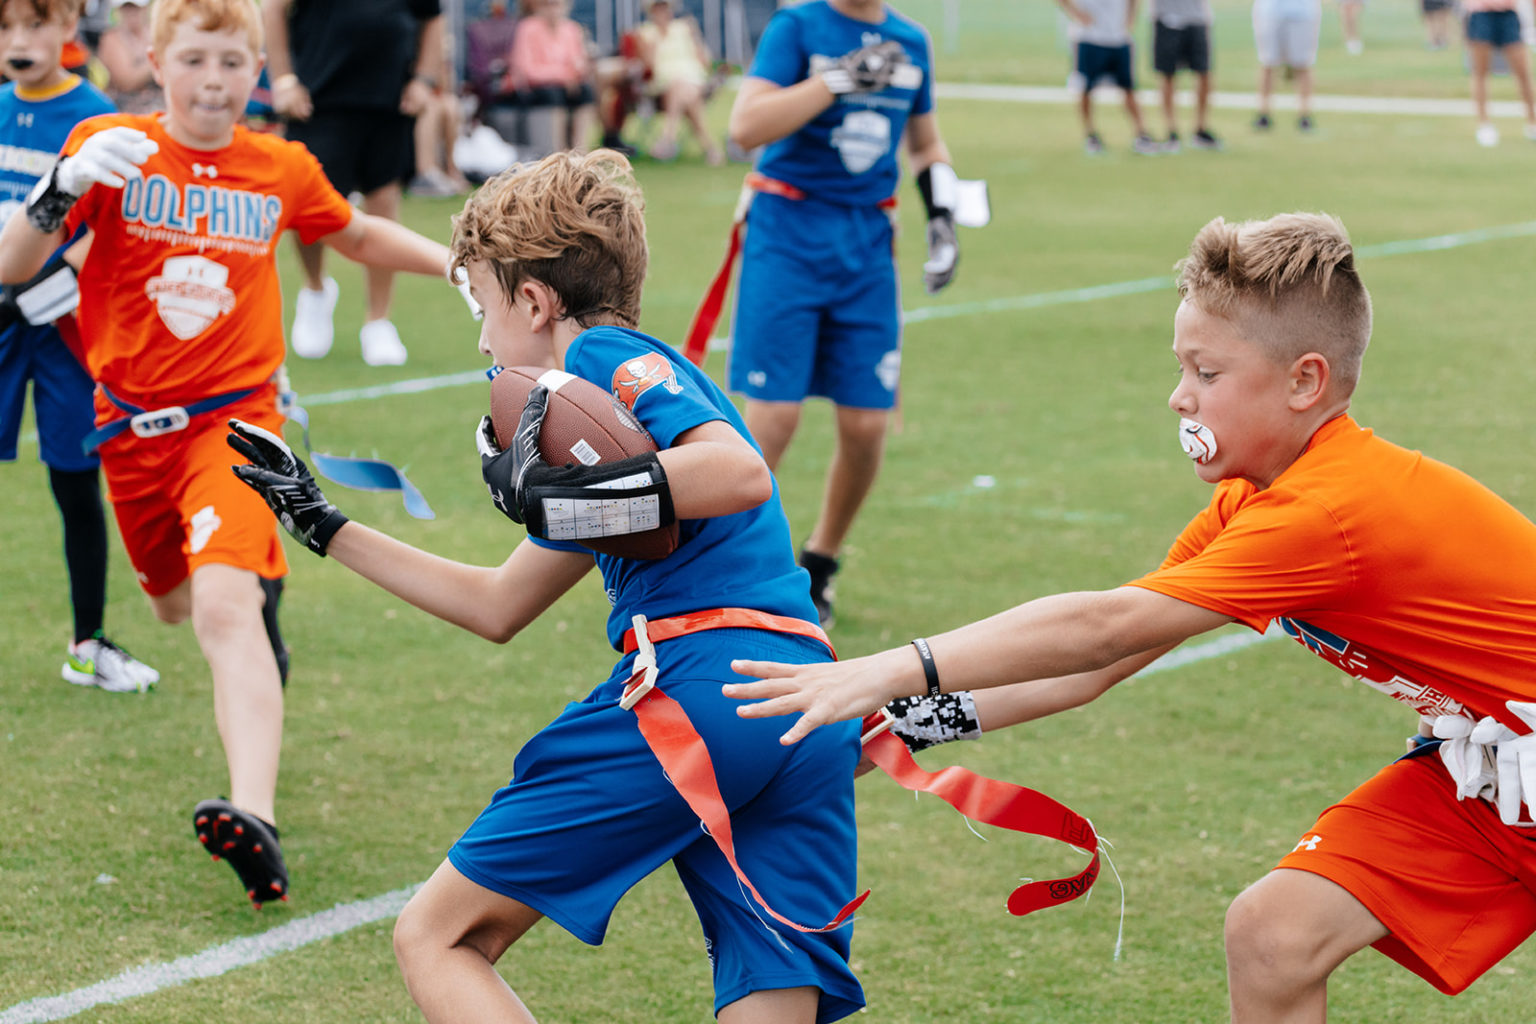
point(358, 474)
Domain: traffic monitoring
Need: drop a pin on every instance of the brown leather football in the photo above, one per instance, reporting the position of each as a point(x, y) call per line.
point(584, 425)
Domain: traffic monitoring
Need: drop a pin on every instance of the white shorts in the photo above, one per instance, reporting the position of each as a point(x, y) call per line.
point(1285, 41)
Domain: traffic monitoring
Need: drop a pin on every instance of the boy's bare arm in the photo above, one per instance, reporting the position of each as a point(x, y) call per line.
point(713, 471)
point(1001, 706)
point(925, 146)
point(380, 242)
point(765, 111)
point(1051, 637)
point(492, 602)
point(24, 249)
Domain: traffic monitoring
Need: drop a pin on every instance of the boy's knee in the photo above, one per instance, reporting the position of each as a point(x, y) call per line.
point(172, 608)
point(1263, 939)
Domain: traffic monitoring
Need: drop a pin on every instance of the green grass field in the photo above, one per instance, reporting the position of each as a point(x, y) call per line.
point(399, 727)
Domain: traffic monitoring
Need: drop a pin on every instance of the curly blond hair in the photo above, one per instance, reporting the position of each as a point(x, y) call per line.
point(207, 16)
point(1288, 283)
point(575, 222)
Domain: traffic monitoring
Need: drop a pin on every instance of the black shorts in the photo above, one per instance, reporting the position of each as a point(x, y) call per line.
point(361, 150)
point(1187, 47)
point(1095, 63)
point(555, 96)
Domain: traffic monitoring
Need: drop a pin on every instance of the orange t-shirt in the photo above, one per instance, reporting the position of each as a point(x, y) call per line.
point(1402, 571)
point(179, 298)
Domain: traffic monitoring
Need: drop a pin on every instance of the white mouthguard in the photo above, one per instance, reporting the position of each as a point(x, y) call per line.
point(1197, 440)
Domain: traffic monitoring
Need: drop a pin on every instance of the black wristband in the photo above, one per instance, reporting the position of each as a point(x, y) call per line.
point(930, 670)
point(48, 204)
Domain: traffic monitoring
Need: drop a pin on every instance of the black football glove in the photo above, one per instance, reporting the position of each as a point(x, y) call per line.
point(939, 188)
point(867, 69)
point(521, 483)
point(506, 471)
point(284, 483)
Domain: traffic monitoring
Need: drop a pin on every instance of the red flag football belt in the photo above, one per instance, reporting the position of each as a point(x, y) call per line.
point(696, 345)
point(685, 760)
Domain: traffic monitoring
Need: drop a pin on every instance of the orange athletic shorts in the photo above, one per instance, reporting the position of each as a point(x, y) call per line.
point(178, 506)
point(1453, 883)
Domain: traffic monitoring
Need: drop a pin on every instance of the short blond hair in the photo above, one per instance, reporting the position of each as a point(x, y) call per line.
point(575, 222)
point(1289, 284)
point(206, 16)
point(59, 11)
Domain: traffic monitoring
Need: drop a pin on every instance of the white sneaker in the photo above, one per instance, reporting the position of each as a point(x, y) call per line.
point(313, 331)
point(100, 662)
point(1530, 132)
point(1355, 47)
point(1487, 135)
point(381, 344)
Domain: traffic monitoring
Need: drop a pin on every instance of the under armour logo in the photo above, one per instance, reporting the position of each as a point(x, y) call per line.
point(1309, 843)
point(199, 170)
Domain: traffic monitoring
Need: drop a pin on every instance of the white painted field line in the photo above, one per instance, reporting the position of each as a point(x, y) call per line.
point(211, 962)
point(1395, 105)
point(344, 917)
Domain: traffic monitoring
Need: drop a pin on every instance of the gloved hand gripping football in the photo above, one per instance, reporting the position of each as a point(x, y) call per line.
point(285, 484)
point(868, 69)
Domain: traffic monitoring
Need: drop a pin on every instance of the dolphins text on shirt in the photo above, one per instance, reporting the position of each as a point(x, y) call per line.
point(208, 210)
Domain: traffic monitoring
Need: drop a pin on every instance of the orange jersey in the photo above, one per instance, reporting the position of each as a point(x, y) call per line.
point(1402, 571)
point(179, 298)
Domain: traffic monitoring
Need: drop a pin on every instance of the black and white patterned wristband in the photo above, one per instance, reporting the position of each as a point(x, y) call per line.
point(925, 721)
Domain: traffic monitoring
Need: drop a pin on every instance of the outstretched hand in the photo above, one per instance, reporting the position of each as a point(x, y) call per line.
point(820, 693)
point(285, 484)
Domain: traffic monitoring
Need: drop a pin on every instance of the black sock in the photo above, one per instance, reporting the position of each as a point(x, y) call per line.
point(78, 495)
point(274, 591)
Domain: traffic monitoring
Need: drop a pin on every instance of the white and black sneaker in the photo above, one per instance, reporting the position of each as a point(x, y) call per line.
point(100, 662)
point(822, 568)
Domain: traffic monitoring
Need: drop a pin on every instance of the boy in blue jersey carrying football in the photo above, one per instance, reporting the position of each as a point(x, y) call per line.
point(833, 87)
point(556, 256)
point(38, 107)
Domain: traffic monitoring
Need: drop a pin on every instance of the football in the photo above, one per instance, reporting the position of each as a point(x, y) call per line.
point(584, 424)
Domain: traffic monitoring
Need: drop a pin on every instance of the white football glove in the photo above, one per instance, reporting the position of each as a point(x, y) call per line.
point(109, 158)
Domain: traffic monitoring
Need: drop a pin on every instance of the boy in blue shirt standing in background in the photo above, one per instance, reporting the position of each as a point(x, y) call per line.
point(833, 87)
point(38, 107)
point(556, 256)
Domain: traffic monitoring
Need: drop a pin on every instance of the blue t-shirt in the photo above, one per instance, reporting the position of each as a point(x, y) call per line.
point(33, 131)
point(744, 560)
point(848, 153)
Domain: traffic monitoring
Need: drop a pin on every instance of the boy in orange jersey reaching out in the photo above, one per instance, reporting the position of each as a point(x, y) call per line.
point(1402, 571)
point(181, 315)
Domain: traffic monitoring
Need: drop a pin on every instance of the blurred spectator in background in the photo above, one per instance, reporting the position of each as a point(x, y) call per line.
point(550, 70)
point(673, 51)
point(1437, 22)
point(124, 51)
point(487, 44)
point(438, 126)
point(1285, 35)
point(350, 76)
point(1349, 21)
point(1495, 24)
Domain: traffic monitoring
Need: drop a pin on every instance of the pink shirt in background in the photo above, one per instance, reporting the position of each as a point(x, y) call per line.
point(545, 54)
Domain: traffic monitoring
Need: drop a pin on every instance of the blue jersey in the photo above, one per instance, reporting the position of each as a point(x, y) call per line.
point(847, 153)
point(744, 560)
point(32, 131)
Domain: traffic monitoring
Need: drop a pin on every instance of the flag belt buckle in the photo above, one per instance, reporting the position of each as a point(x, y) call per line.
point(154, 422)
point(643, 680)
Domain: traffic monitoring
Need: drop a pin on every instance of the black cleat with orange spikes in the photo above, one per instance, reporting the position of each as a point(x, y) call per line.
point(249, 845)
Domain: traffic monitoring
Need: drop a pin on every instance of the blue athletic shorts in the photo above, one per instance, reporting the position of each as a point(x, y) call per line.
point(1095, 63)
point(589, 813)
point(818, 306)
point(61, 396)
point(1497, 28)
